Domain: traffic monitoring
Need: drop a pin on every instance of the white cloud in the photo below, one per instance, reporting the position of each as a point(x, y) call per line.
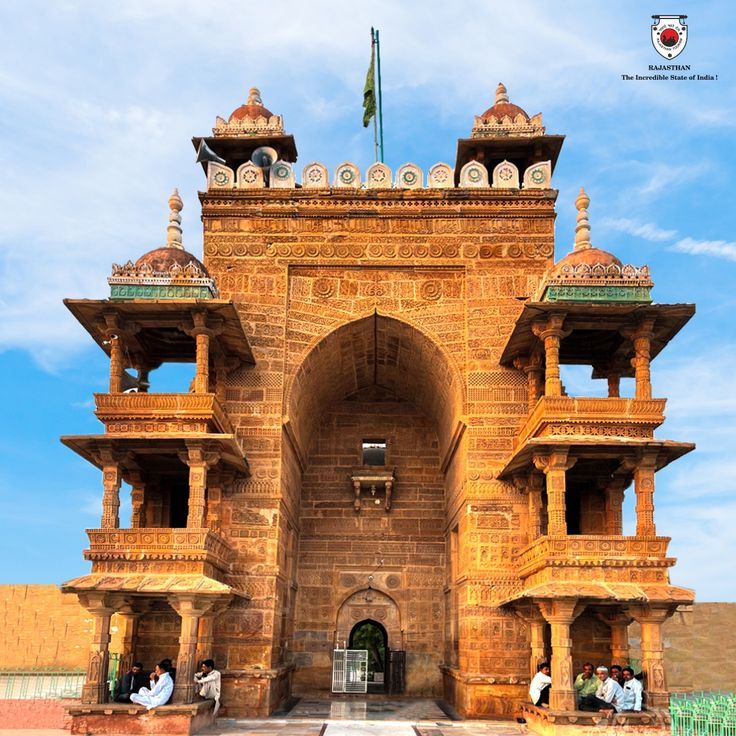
point(717, 248)
point(646, 230)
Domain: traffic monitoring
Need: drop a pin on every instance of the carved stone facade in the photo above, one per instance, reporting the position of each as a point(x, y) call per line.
point(426, 318)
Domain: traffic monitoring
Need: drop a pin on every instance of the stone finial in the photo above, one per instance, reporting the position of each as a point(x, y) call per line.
point(254, 97)
point(582, 229)
point(501, 94)
point(173, 231)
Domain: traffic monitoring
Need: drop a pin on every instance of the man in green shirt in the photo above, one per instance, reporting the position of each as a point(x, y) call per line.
point(585, 683)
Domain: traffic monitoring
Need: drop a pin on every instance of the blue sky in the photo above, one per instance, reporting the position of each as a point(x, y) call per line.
point(99, 102)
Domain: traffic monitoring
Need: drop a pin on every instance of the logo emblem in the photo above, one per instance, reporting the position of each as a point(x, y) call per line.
point(669, 35)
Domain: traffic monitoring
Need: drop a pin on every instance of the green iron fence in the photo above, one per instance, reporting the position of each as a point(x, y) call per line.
point(47, 685)
point(51, 684)
point(703, 714)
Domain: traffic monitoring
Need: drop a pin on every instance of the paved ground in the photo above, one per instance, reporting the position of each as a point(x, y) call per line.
point(314, 717)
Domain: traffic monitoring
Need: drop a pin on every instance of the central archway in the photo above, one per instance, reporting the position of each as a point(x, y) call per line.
point(373, 382)
point(376, 351)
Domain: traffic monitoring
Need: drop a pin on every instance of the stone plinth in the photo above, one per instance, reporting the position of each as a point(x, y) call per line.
point(580, 723)
point(255, 693)
point(478, 696)
point(119, 718)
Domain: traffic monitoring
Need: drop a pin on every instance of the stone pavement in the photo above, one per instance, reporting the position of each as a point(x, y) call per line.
point(319, 717)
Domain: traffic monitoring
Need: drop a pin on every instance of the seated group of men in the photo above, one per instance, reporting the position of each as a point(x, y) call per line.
point(615, 692)
point(160, 682)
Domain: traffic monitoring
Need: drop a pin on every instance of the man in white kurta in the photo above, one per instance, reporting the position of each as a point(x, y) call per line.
point(540, 685)
point(210, 681)
point(631, 699)
point(159, 694)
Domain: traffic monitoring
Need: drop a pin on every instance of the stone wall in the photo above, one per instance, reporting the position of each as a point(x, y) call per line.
point(404, 548)
point(700, 647)
point(41, 628)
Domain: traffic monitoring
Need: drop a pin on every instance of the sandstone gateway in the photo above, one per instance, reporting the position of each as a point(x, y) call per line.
point(377, 438)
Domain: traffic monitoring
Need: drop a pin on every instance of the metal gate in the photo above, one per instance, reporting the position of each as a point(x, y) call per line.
point(350, 671)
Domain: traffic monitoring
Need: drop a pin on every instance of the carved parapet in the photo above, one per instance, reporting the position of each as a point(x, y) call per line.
point(594, 417)
point(170, 413)
point(151, 550)
point(592, 551)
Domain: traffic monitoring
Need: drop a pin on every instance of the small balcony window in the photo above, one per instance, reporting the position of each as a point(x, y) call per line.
point(374, 452)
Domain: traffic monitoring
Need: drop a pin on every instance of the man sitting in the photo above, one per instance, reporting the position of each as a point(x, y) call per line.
point(631, 700)
point(540, 685)
point(160, 692)
point(131, 682)
point(585, 683)
point(607, 697)
point(617, 674)
point(210, 680)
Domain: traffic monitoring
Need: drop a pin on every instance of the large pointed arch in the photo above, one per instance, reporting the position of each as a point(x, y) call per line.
point(382, 351)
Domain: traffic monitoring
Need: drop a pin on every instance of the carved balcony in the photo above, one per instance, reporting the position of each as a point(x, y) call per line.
point(135, 413)
point(567, 416)
point(593, 559)
point(150, 551)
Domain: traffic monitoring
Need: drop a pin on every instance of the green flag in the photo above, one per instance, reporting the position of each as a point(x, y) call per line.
point(369, 91)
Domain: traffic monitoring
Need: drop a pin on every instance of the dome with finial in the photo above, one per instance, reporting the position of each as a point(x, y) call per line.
point(591, 274)
point(250, 119)
point(502, 107)
point(167, 272)
point(252, 109)
point(504, 118)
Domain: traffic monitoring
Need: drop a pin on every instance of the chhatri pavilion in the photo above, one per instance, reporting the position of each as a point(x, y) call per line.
point(377, 444)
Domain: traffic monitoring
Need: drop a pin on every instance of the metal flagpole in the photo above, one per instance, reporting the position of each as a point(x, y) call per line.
point(374, 38)
point(380, 100)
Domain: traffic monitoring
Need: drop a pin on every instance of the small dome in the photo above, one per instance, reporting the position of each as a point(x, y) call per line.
point(252, 109)
point(503, 107)
point(589, 256)
point(161, 260)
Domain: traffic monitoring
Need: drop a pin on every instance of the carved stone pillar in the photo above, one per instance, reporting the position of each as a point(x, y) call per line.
point(614, 385)
point(111, 478)
point(651, 619)
point(214, 500)
point(137, 500)
point(532, 366)
point(536, 483)
point(614, 494)
point(641, 338)
point(536, 623)
point(129, 618)
point(551, 333)
point(644, 488)
point(95, 688)
point(202, 337)
point(191, 609)
point(117, 365)
point(197, 462)
point(560, 615)
point(555, 465)
point(618, 622)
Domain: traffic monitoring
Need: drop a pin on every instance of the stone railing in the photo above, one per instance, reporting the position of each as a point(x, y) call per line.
point(597, 417)
point(588, 550)
point(473, 175)
point(143, 412)
point(158, 549)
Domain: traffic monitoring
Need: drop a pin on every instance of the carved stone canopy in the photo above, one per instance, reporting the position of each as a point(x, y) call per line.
point(372, 486)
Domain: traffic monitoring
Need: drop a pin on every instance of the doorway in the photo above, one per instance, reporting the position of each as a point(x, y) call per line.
point(372, 636)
